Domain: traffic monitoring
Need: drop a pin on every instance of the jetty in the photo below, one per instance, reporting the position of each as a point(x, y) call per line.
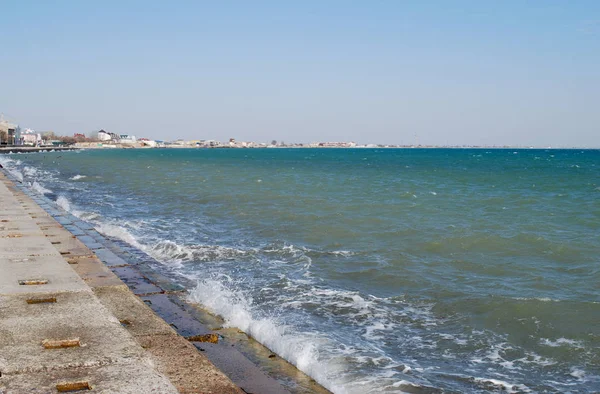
point(75, 317)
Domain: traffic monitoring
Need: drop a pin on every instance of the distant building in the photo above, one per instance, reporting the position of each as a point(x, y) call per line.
point(12, 131)
point(104, 135)
point(30, 137)
point(127, 139)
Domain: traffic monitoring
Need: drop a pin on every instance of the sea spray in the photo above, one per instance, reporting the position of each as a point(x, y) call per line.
point(40, 189)
point(236, 308)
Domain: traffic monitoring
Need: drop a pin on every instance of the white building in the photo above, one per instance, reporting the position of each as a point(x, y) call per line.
point(30, 137)
point(128, 139)
point(104, 135)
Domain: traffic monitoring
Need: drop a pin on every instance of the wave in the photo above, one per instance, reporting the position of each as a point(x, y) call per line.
point(40, 189)
point(300, 349)
point(495, 384)
point(30, 171)
point(77, 177)
point(10, 165)
point(64, 203)
point(561, 342)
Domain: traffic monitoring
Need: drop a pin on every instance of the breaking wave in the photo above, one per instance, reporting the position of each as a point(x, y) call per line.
point(301, 349)
point(40, 189)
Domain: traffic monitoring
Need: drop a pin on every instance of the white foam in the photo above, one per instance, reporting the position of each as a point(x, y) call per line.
point(30, 171)
point(301, 349)
point(77, 177)
point(40, 189)
point(577, 373)
point(489, 383)
point(561, 342)
point(118, 232)
point(64, 203)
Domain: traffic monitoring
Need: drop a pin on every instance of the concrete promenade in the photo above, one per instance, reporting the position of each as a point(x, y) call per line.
point(68, 323)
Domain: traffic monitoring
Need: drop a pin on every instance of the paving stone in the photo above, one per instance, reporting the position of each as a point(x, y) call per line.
point(138, 284)
point(117, 379)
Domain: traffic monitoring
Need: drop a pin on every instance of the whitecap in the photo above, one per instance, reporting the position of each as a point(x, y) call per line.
point(489, 383)
point(40, 189)
point(561, 342)
point(577, 373)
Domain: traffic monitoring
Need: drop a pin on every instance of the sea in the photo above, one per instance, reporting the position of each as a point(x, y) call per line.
point(371, 270)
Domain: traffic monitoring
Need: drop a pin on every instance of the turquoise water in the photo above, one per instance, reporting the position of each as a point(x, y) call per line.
point(372, 270)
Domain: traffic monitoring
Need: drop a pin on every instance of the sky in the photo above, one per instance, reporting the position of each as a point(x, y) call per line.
point(393, 72)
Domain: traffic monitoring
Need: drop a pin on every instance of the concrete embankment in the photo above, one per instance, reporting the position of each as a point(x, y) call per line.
point(31, 149)
point(76, 316)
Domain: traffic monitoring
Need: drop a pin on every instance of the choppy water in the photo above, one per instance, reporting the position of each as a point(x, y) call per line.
point(371, 270)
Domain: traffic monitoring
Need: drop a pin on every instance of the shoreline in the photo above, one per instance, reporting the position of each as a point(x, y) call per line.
point(31, 149)
point(234, 353)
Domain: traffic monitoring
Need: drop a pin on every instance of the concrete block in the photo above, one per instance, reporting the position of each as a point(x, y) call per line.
point(93, 272)
point(74, 229)
point(132, 312)
point(96, 235)
point(53, 268)
point(69, 246)
point(56, 231)
point(158, 279)
point(132, 379)
point(136, 281)
point(186, 368)
point(109, 258)
point(83, 225)
point(178, 318)
point(12, 207)
point(73, 316)
point(20, 225)
point(26, 246)
point(239, 369)
point(90, 242)
point(62, 220)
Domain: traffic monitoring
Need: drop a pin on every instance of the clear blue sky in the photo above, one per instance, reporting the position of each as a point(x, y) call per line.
point(449, 72)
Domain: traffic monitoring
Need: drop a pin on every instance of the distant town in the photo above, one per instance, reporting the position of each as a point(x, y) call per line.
point(11, 135)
